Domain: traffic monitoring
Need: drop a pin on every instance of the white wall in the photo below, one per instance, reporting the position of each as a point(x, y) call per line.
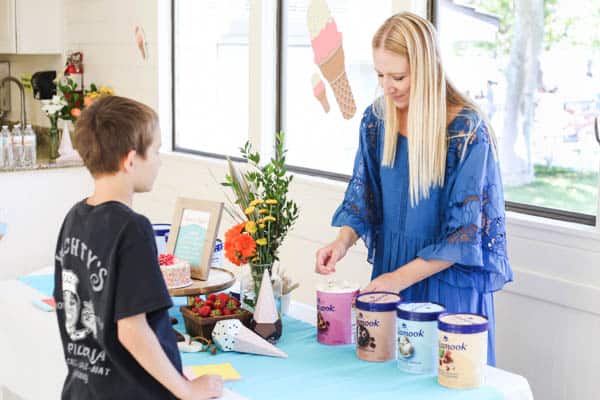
point(547, 321)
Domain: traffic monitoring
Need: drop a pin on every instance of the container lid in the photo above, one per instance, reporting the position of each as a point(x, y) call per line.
point(337, 287)
point(420, 311)
point(377, 301)
point(462, 323)
point(161, 229)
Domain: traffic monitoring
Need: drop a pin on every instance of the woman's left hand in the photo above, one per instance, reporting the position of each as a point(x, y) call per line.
point(388, 282)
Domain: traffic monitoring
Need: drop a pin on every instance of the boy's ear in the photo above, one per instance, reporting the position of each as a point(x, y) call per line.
point(127, 162)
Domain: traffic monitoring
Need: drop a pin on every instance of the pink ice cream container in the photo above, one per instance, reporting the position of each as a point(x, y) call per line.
point(335, 313)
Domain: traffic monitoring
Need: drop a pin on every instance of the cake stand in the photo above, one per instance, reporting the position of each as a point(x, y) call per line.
point(218, 279)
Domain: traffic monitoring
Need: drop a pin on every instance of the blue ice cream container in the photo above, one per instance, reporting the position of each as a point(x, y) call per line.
point(418, 337)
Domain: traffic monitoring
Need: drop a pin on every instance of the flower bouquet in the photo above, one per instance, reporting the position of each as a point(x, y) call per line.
point(267, 215)
point(53, 110)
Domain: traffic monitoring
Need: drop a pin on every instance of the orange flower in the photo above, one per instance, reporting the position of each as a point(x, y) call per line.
point(231, 256)
point(75, 112)
point(235, 231)
point(238, 245)
point(245, 245)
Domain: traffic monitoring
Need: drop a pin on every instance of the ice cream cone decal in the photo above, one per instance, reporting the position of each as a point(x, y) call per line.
point(140, 41)
point(319, 91)
point(231, 335)
point(326, 42)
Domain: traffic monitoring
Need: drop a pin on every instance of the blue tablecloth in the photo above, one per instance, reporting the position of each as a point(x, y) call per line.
point(312, 371)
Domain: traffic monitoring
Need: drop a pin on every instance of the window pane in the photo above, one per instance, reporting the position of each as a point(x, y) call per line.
point(315, 139)
point(534, 67)
point(211, 75)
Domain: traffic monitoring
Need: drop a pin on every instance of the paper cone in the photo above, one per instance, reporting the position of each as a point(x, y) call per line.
point(231, 335)
point(265, 311)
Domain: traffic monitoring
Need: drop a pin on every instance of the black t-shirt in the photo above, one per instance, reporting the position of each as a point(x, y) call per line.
point(106, 269)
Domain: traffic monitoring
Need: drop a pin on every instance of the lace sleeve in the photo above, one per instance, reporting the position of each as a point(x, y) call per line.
point(361, 208)
point(473, 226)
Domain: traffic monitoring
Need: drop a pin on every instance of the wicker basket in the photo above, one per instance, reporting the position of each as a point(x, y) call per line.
point(203, 326)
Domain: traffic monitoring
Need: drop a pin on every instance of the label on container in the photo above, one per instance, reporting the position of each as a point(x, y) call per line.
point(462, 356)
point(417, 346)
point(335, 313)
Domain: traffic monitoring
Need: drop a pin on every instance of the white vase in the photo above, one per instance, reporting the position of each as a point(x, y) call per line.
point(66, 150)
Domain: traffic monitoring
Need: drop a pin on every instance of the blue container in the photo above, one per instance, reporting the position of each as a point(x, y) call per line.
point(161, 235)
point(418, 337)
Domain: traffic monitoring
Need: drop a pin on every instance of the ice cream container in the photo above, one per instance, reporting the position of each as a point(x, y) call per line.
point(418, 337)
point(335, 313)
point(161, 236)
point(217, 257)
point(462, 353)
point(376, 326)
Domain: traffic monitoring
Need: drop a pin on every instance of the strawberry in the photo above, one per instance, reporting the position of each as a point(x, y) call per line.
point(204, 311)
point(218, 305)
point(227, 312)
point(216, 313)
point(224, 297)
point(209, 303)
point(196, 310)
point(231, 305)
point(212, 297)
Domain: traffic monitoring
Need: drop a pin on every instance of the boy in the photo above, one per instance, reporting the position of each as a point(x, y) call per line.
point(112, 301)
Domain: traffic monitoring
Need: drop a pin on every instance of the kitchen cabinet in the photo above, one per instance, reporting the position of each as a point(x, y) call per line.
point(31, 26)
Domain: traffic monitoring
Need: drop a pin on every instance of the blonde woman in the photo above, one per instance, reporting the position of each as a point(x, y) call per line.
point(426, 194)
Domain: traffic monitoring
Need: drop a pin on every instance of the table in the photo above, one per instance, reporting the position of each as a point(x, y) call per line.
point(31, 352)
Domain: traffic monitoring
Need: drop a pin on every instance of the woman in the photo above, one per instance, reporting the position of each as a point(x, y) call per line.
point(425, 195)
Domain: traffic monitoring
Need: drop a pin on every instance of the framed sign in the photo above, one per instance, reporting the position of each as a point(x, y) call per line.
point(193, 232)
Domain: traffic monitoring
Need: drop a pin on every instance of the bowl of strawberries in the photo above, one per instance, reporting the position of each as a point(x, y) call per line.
point(201, 315)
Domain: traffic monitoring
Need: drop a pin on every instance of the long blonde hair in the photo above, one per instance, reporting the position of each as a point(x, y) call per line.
point(431, 95)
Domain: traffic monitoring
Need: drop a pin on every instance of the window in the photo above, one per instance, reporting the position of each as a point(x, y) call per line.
point(210, 82)
point(319, 142)
point(534, 67)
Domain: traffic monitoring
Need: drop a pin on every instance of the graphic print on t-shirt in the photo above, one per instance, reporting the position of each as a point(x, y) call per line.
point(74, 312)
point(81, 321)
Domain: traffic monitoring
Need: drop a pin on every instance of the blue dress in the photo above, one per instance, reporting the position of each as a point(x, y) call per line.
point(462, 222)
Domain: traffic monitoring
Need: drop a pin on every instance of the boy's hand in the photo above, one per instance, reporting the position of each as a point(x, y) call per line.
point(206, 387)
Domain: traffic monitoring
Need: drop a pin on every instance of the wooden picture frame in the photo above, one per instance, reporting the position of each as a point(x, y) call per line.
point(193, 233)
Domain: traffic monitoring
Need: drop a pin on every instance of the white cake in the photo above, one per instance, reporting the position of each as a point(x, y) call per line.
point(177, 273)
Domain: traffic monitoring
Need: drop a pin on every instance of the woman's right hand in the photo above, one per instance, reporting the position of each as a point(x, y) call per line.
point(328, 256)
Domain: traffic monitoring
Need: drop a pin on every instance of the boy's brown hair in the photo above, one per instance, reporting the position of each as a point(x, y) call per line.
point(109, 129)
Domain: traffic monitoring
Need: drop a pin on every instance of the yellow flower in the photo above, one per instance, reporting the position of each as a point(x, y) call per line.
point(271, 201)
point(250, 227)
point(263, 211)
point(256, 202)
point(255, 259)
point(261, 226)
point(249, 210)
point(261, 242)
point(269, 218)
point(106, 90)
